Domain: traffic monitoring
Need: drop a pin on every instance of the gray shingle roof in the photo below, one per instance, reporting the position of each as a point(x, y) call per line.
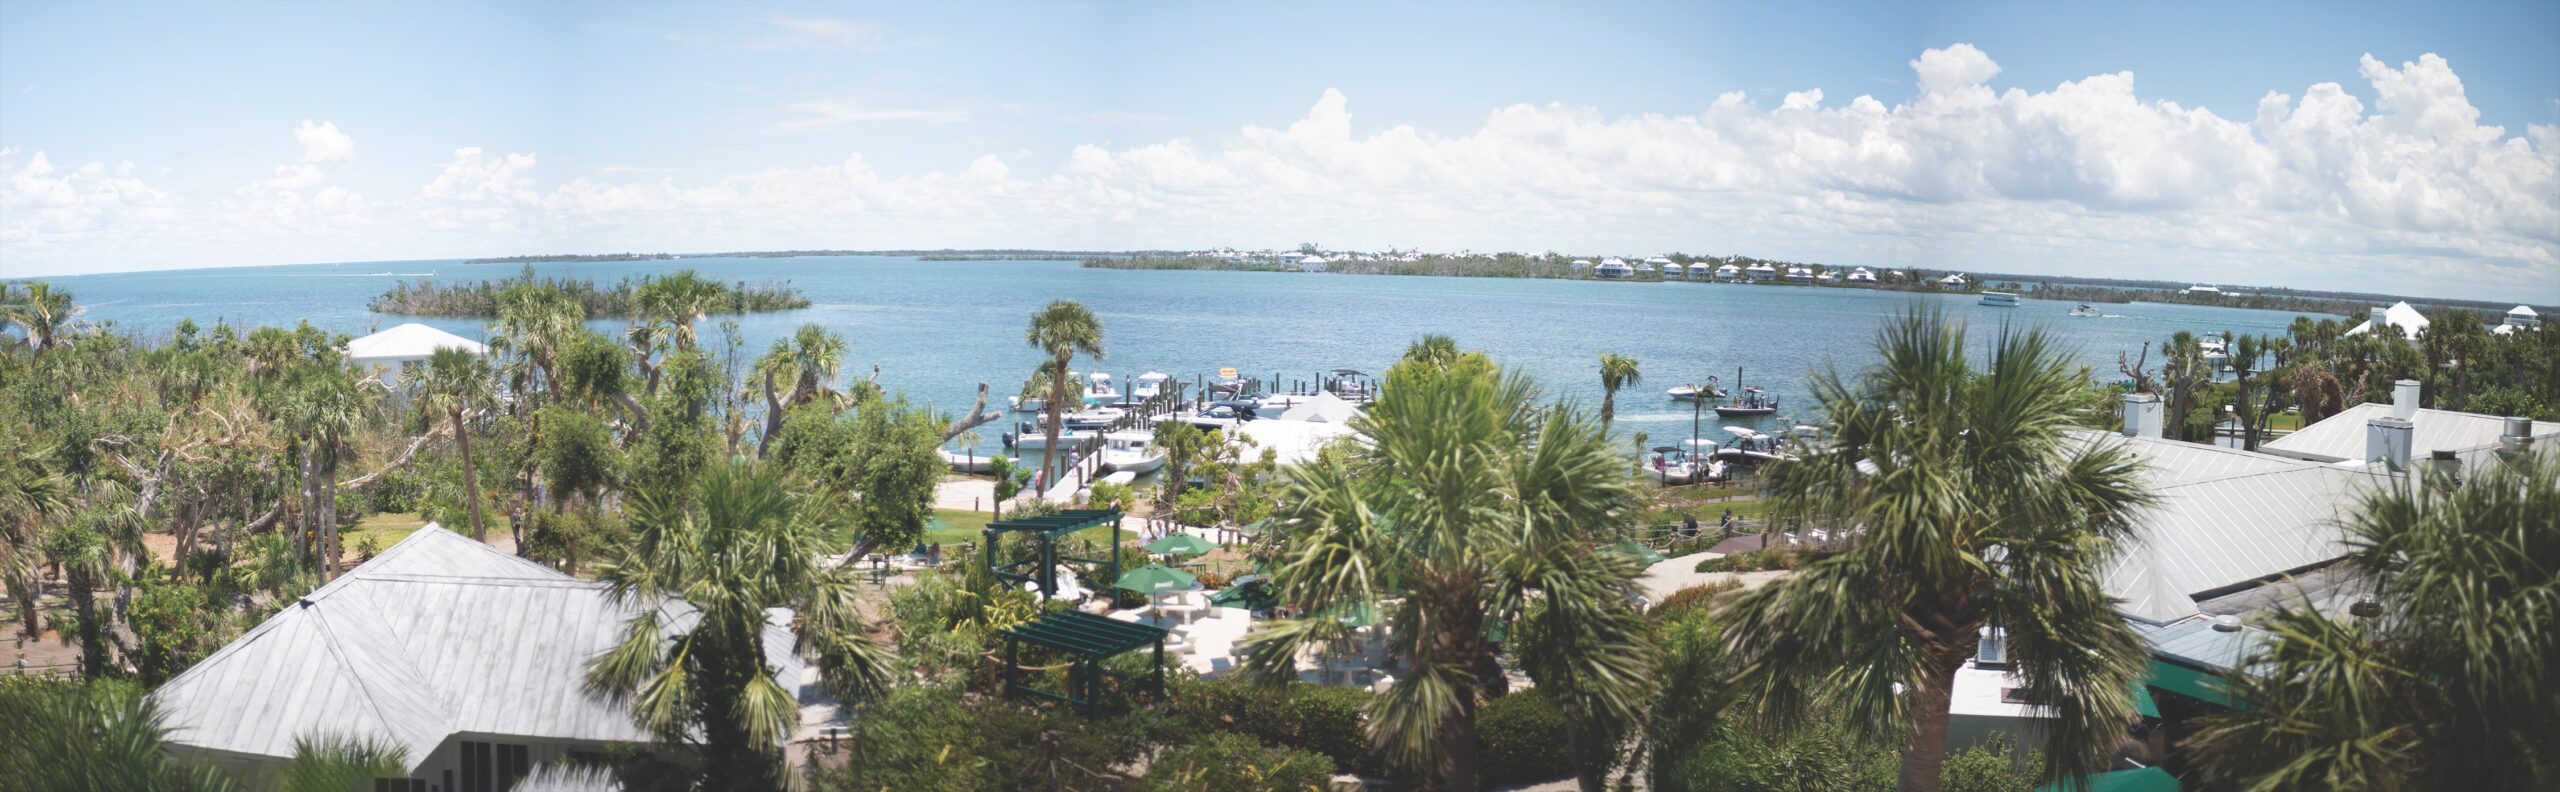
point(438, 635)
point(2341, 437)
point(2226, 517)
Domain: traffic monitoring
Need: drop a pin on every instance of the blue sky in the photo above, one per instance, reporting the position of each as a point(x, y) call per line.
point(1587, 127)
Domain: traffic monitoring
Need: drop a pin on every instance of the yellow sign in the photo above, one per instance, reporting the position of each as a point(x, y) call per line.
point(1226, 373)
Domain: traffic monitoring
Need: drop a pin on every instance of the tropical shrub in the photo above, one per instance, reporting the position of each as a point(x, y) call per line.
point(1320, 719)
point(1524, 739)
point(1230, 761)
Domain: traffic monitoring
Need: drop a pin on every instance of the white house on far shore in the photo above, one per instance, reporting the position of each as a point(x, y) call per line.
point(2520, 317)
point(1952, 281)
point(2406, 319)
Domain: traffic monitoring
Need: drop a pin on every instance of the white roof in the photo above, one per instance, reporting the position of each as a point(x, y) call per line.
point(1312, 260)
point(1730, 267)
point(1952, 279)
point(1323, 408)
point(1292, 442)
point(2226, 517)
point(2399, 315)
point(2522, 310)
point(440, 635)
point(2341, 437)
point(410, 341)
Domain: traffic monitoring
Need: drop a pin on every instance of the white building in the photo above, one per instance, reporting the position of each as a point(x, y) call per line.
point(1800, 273)
point(393, 355)
point(1313, 264)
point(1613, 268)
point(1861, 275)
point(2399, 315)
point(1729, 272)
point(2520, 317)
point(469, 660)
point(1952, 281)
point(1760, 272)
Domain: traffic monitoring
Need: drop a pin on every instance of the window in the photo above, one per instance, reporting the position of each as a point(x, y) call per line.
point(489, 767)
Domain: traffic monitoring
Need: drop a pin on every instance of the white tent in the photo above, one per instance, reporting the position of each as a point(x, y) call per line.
point(1324, 408)
point(408, 343)
point(1292, 442)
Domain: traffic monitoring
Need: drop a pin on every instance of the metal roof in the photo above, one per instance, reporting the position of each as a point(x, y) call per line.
point(1089, 635)
point(2225, 518)
point(437, 636)
point(2341, 437)
point(1064, 522)
point(2193, 641)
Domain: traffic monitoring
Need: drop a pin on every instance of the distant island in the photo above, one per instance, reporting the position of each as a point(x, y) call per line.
point(1805, 275)
point(573, 257)
point(623, 299)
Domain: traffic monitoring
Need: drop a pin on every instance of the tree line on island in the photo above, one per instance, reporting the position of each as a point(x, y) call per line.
point(1474, 523)
point(683, 292)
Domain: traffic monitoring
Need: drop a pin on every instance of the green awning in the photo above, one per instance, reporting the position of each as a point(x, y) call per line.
point(2148, 779)
point(2142, 702)
point(2189, 682)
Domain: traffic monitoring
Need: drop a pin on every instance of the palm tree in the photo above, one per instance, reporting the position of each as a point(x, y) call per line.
point(1433, 348)
point(2183, 367)
point(1060, 331)
point(540, 321)
point(29, 489)
point(458, 382)
point(810, 360)
point(1968, 502)
point(2445, 677)
point(1616, 371)
point(38, 310)
point(107, 734)
point(742, 544)
point(322, 409)
point(1469, 502)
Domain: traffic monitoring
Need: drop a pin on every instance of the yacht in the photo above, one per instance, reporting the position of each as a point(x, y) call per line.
point(1148, 385)
point(2086, 309)
point(1999, 299)
point(1131, 452)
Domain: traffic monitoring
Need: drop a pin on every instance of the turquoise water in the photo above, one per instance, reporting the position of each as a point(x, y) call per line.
point(937, 328)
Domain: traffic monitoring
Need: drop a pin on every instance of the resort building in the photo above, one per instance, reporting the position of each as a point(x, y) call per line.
point(1952, 281)
point(394, 355)
point(1729, 272)
point(1760, 272)
point(1313, 264)
point(1861, 275)
point(2520, 317)
point(2348, 437)
point(1800, 274)
point(2408, 320)
point(1670, 269)
point(469, 660)
point(1614, 268)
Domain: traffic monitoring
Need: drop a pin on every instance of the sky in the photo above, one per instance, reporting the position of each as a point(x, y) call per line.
point(2394, 147)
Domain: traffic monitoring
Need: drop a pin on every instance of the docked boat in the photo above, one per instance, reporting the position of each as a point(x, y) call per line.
point(2000, 299)
point(1691, 392)
point(1148, 385)
point(1098, 390)
point(1095, 419)
point(1222, 415)
point(1027, 405)
point(1673, 465)
point(1752, 447)
point(1751, 401)
point(2086, 309)
point(1029, 436)
point(965, 462)
point(1131, 452)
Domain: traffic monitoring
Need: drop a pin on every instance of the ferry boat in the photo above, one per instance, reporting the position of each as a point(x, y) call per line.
point(2000, 299)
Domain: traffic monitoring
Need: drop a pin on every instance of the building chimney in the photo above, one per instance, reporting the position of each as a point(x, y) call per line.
point(2386, 440)
point(2142, 415)
point(2404, 399)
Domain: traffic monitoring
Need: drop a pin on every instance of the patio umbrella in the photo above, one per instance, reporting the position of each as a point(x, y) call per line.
point(1642, 554)
point(1250, 595)
point(1154, 579)
point(1181, 544)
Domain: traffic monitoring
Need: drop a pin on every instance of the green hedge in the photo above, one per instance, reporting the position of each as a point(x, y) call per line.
point(1524, 739)
point(1321, 719)
point(1230, 761)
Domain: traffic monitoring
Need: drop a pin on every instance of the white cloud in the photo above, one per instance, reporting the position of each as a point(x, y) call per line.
point(324, 143)
point(2411, 194)
point(827, 113)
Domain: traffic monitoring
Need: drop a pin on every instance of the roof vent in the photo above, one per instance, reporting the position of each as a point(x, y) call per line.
point(2386, 440)
point(2517, 438)
point(2404, 399)
point(2226, 623)
point(302, 601)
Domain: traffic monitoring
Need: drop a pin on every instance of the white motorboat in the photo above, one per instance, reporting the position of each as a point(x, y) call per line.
point(2086, 309)
point(965, 462)
point(1027, 405)
point(1148, 385)
point(1751, 446)
point(1215, 416)
point(1131, 452)
point(1098, 390)
point(1752, 401)
point(1032, 437)
point(1672, 465)
point(1691, 392)
point(1094, 419)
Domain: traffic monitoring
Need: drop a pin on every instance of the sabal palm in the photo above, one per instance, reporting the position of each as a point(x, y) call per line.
point(742, 544)
point(321, 409)
point(38, 310)
point(30, 488)
point(1060, 331)
point(2183, 367)
point(1967, 501)
point(540, 321)
point(1616, 371)
point(1468, 501)
point(459, 382)
point(811, 360)
point(2453, 684)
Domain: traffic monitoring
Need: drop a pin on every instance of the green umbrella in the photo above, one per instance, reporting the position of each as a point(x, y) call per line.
point(1156, 579)
point(1642, 554)
point(1181, 544)
point(1249, 595)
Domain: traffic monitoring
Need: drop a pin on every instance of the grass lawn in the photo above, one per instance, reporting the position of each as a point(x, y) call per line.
point(952, 527)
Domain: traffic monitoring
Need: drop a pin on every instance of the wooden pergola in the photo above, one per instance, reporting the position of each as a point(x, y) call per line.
point(1049, 528)
point(1090, 639)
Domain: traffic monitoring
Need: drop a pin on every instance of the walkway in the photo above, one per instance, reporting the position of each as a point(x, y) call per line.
point(1661, 580)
